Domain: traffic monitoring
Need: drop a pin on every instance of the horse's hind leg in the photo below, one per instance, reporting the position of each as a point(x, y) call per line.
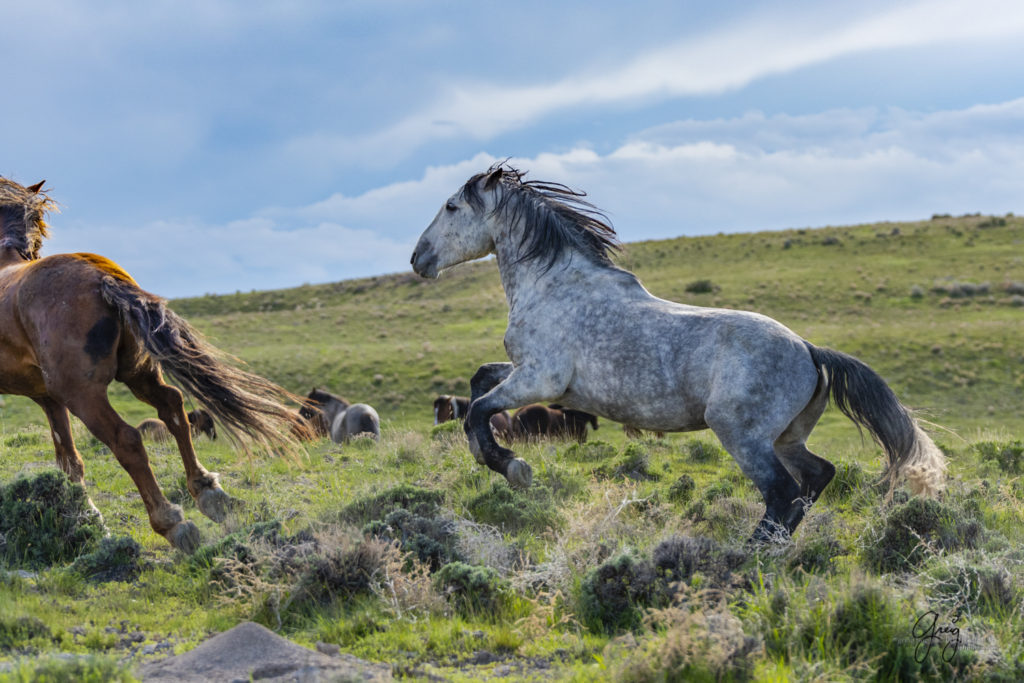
point(148, 386)
point(91, 406)
point(757, 459)
point(68, 458)
point(811, 471)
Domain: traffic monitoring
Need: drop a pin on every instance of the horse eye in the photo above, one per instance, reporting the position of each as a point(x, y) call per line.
point(451, 207)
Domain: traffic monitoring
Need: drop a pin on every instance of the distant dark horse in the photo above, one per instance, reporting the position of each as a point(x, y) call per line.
point(343, 420)
point(199, 420)
point(202, 423)
point(536, 420)
point(605, 345)
point(71, 324)
point(457, 407)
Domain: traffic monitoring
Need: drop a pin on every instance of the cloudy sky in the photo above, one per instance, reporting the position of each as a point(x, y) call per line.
point(213, 146)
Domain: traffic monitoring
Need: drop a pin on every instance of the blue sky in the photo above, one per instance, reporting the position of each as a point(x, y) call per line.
point(219, 146)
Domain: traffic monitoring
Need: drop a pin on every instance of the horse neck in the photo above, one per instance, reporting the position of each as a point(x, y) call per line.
point(523, 280)
point(332, 408)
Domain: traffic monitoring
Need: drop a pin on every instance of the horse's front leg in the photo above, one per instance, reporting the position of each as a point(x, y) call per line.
point(497, 387)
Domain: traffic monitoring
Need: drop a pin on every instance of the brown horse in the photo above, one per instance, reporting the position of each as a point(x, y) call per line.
point(534, 421)
point(456, 407)
point(199, 421)
point(71, 324)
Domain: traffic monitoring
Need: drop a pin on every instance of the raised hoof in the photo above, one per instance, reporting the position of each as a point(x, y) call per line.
point(214, 503)
point(185, 537)
point(519, 474)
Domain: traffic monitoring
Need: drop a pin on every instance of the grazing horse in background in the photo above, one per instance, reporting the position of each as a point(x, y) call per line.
point(202, 423)
point(71, 324)
point(199, 421)
point(457, 407)
point(344, 420)
point(154, 430)
point(555, 421)
point(587, 334)
point(450, 408)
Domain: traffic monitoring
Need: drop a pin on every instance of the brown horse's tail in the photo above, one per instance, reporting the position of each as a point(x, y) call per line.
point(250, 408)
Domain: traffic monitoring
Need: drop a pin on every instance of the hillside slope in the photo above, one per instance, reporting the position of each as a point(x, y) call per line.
point(935, 306)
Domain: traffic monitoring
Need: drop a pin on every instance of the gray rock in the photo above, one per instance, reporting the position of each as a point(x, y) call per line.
point(252, 652)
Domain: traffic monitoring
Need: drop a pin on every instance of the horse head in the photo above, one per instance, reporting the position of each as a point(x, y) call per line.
point(22, 210)
point(202, 423)
point(460, 231)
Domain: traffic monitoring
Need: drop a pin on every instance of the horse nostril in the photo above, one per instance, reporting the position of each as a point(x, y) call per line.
point(413, 259)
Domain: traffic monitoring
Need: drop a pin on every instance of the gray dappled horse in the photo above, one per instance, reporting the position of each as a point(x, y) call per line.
point(586, 334)
point(341, 420)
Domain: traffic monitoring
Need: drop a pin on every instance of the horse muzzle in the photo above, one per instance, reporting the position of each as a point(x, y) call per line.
point(424, 260)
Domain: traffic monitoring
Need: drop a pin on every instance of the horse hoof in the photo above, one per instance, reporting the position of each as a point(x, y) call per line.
point(185, 537)
point(519, 474)
point(214, 503)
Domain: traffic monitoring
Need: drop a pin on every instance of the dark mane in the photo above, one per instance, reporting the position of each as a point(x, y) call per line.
point(22, 227)
point(555, 218)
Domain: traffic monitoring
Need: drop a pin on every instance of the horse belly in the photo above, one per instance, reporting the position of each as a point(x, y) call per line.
point(645, 402)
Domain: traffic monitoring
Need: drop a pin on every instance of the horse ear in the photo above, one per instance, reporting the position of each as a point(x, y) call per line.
point(35, 188)
point(493, 178)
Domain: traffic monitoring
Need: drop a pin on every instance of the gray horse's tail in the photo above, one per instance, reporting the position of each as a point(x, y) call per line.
point(864, 397)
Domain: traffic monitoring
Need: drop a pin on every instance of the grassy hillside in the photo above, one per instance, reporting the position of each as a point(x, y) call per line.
point(626, 560)
point(935, 306)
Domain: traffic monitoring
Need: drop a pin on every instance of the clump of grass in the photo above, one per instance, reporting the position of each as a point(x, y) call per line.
point(342, 570)
point(1007, 456)
point(117, 558)
point(419, 501)
point(704, 451)
point(26, 439)
point(513, 511)
point(817, 545)
point(696, 640)
point(634, 464)
point(864, 626)
point(701, 287)
point(84, 669)
point(591, 451)
point(23, 634)
point(680, 558)
point(850, 479)
point(613, 595)
point(431, 539)
point(681, 490)
point(473, 590)
point(46, 520)
point(913, 531)
point(450, 429)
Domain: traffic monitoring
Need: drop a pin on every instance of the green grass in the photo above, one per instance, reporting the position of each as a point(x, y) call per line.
point(826, 607)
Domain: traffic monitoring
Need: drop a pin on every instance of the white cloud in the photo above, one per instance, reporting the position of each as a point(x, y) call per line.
point(720, 61)
point(752, 172)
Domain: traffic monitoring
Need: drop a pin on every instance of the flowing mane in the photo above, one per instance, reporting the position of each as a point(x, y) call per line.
point(555, 218)
point(21, 218)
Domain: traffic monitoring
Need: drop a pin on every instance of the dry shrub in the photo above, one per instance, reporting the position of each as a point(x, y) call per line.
point(592, 532)
point(484, 545)
point(697, 638)
point(405, 585)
